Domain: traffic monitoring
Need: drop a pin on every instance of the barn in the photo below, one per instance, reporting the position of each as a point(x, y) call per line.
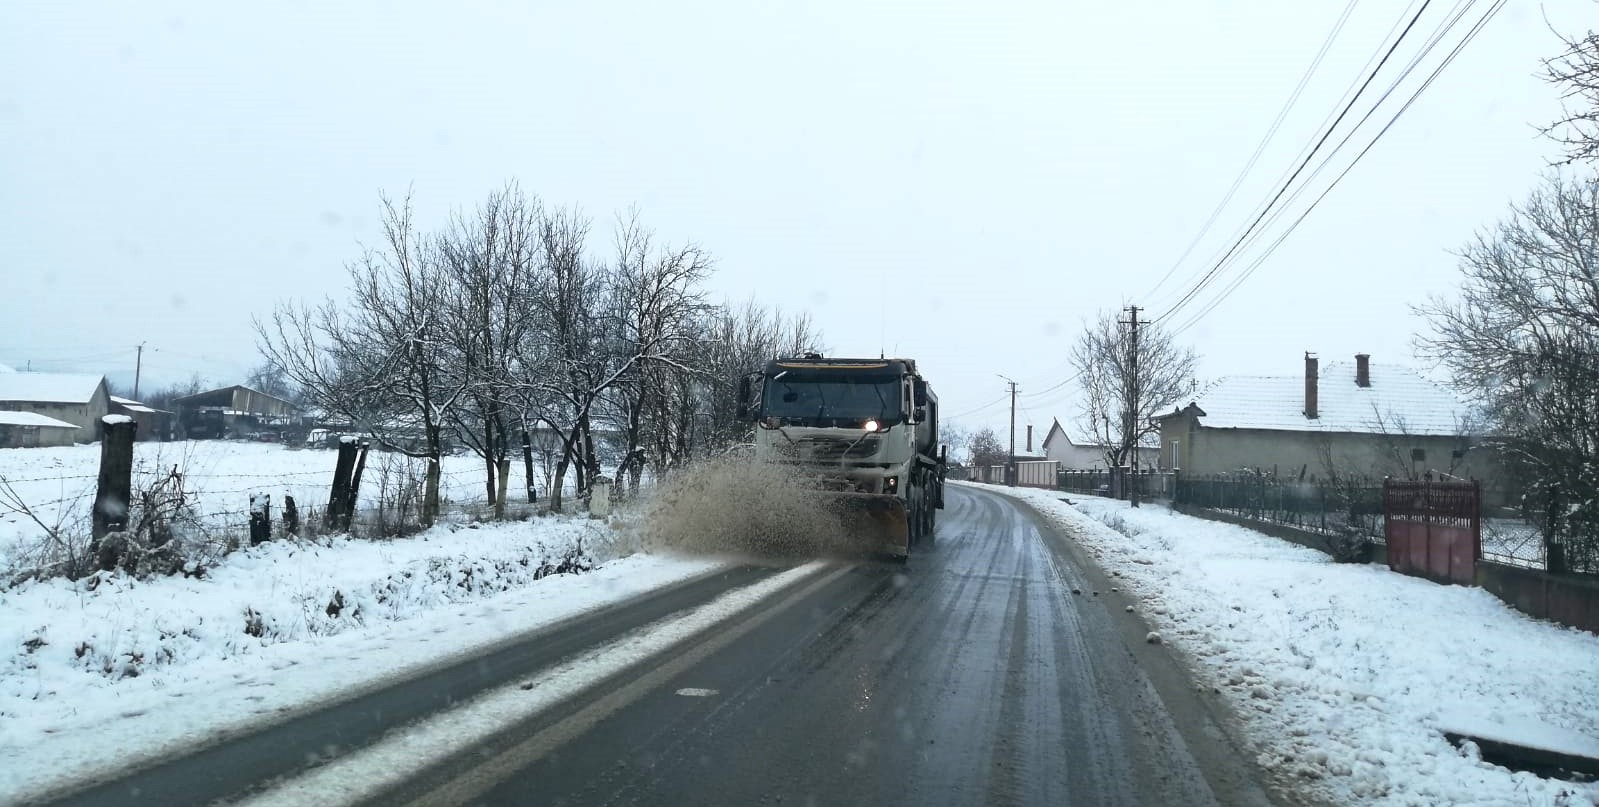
point(235, 411)
point(76, 400)
point(33, 430)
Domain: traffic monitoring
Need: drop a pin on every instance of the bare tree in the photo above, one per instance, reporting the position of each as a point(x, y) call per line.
point(1523, 338)
point(1119, 402)
point(658, 308)
point(270, 379)
point(491, 263)
point(382, 360)
point(1576, 72)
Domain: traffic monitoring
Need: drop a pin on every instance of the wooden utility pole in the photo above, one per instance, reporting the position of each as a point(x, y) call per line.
point(138, 369)
point(1010, 459)
point(1130, 439)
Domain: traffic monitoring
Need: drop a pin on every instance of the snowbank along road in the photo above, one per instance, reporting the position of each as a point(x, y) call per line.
point(972, 675)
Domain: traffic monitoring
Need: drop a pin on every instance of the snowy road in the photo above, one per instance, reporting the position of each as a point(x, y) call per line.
point(973, 675)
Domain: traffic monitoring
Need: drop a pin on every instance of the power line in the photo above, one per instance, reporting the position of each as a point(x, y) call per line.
point(1448, 59)
point(1209, 276)
point(990, 405)
point(1260, 148)
point(1042, 392)
point(1461, 7)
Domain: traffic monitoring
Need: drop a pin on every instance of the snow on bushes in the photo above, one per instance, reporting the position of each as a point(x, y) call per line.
point(114, 626)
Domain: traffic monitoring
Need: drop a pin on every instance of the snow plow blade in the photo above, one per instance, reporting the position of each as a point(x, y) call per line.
point(874, 522)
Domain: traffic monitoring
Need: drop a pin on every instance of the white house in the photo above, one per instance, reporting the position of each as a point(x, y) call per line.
point(1082, 454)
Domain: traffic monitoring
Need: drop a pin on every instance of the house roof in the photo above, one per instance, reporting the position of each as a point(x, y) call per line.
point(1078, 440)
point(231, 388)
point(1398, 401)
point(49, 387)
point(131, 405)
point(32, 419)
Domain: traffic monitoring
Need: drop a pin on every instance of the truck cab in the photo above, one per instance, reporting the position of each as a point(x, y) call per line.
point(858, 427)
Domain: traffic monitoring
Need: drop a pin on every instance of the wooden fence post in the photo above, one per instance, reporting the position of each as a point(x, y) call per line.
point(260, 518)
point(347, 515)
point(114, 491)
point(291, 516)
point(340, 496)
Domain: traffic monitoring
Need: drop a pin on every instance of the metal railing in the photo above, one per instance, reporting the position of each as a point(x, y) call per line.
point(1352, 506)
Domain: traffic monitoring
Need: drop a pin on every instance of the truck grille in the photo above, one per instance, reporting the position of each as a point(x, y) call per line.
point(829, 449)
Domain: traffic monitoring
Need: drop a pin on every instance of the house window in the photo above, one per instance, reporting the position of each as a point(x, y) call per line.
point(1458, 454)
point(1418, 455)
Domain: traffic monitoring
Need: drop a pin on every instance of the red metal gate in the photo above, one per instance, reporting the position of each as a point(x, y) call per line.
point(1434, 529)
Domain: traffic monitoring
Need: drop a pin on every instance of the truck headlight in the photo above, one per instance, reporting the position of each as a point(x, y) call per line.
point(890, 484)
point(871, 425)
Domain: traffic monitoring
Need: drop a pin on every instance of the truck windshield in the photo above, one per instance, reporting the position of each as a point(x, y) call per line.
point(798, 396)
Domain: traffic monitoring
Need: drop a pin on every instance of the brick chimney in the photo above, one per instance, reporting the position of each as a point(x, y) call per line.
point(1029, 439)
point(1362, 370)
point(1311, 373)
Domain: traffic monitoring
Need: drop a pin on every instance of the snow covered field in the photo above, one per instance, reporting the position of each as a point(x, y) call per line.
point(91, 674)
point(58, 483)
point(1345, 674)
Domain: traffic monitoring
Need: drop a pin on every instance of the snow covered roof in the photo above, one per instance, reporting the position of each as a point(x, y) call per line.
point(49, 387)
point(1077, 437)
point(7, 369)
point(1399, 400)
point(134, 406)
point(32, 419)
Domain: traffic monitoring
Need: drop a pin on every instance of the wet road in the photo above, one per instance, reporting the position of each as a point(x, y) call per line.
point(972, 675)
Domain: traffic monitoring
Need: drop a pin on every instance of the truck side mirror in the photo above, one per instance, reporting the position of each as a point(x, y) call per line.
point(746, 397)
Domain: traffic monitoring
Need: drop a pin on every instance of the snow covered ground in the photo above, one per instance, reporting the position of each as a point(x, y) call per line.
point(94, 671)
point(58, 483)
point(1345, 675)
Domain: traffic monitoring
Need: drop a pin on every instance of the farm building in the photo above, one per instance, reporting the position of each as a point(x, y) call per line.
point(234, 411)
point(153, 424)
point(76, 400)
point(33, 430)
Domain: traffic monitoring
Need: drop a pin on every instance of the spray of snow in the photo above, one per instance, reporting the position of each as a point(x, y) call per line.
point(744, 507)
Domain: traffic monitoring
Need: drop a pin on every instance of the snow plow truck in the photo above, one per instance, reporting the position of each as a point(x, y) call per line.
point(864, 433)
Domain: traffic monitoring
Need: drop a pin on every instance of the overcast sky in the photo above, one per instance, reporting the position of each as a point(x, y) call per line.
point(959, 182)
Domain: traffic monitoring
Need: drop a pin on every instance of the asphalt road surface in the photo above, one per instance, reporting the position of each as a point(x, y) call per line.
point(972, 675)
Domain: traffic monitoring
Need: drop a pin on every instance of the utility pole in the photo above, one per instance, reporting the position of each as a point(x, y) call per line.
point(1130, 438)
point(1010, 459)
point(138, 369)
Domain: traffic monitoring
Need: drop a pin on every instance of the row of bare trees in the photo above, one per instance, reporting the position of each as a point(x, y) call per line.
point(503, 329)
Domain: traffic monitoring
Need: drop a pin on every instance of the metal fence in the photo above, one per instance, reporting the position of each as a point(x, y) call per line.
point(1331, 509)
point(1152, 485)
